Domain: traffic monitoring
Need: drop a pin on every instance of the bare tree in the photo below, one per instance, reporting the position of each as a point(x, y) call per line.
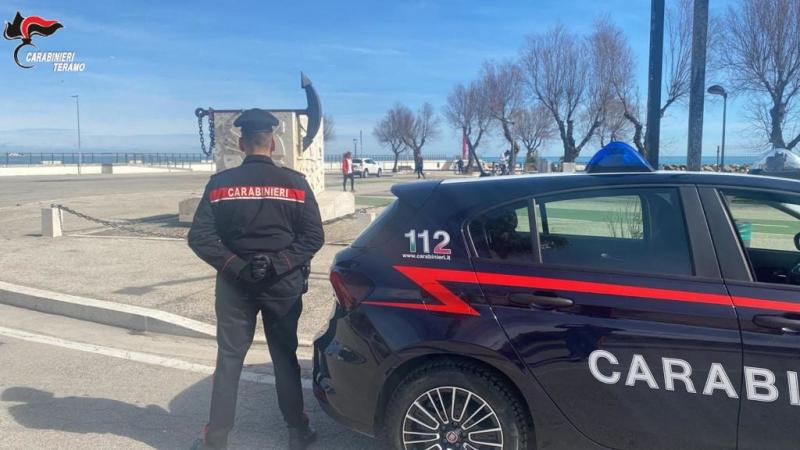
point(615, 125)
point(503, 83)
point(679, 53)
point(417, 128)
point(329, 132)
point(615, 52)
point(388, 132)
point(616, 56)
point(760, 54)
point(559, 76)
point(532, 127)
point(467, 110)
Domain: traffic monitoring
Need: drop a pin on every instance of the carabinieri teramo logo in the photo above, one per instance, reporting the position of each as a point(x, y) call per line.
point(24, 29)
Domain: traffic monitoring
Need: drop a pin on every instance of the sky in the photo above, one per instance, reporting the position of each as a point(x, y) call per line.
point(149, 64)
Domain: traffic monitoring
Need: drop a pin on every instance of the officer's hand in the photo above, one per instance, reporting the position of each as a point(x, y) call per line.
point(260, 267)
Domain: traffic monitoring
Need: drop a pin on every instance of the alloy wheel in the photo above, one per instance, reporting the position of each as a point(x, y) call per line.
point(451, 418)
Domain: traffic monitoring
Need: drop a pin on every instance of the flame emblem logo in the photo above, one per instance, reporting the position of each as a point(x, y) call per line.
point(25, 28)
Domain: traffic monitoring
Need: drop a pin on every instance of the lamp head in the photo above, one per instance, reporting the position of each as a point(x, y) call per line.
point(717, 90)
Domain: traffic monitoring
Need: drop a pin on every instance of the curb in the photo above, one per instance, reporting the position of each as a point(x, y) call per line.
point(110, 313)
point(104, 312)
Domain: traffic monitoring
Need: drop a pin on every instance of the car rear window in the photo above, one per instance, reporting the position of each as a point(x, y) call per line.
point(639, 230)
point(380, 230)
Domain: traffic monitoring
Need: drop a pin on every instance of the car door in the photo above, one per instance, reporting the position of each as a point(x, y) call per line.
point(613, 299)
point(756, 232)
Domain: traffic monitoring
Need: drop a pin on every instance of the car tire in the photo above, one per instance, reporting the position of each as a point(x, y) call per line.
point(365, 173)
point(379, 173)
point(471, 386)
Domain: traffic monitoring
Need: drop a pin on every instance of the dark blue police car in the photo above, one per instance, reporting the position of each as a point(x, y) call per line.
point(606, 309)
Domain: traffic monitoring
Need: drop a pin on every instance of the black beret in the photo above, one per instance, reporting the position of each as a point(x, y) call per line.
point(256, 120)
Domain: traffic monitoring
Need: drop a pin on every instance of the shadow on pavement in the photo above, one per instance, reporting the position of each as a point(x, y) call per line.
point(146, 289)
point(259, 424)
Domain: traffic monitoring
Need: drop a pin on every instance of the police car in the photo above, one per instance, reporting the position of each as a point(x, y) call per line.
point(619, 308)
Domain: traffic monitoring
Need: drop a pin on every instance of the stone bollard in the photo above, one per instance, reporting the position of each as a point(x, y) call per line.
point(52, 218)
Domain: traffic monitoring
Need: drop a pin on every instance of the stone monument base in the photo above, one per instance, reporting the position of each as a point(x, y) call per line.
point(186, 209)
point(335, 204)
point(332, 205)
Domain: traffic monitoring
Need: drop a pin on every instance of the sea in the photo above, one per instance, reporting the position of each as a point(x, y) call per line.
point(663, 159)
point(18, 158)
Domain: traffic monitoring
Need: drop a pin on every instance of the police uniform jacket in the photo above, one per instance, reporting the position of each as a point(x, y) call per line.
point(255, 208)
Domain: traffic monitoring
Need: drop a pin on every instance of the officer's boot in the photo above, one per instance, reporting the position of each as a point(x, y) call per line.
point(200, 444)
point(211, 441)
point(301, 437)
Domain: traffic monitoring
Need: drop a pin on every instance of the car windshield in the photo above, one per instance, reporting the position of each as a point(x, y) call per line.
point(357, 161)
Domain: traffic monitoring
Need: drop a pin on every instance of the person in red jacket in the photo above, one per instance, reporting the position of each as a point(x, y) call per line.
point(347, 172)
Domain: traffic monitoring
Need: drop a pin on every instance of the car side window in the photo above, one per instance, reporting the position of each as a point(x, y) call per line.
point(768, 228)
point(639, 230)
point(504, 233)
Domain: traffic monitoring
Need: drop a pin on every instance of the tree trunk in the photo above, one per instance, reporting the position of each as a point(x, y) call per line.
point(530, 151)
point(570, 149)
point(470, 159)
point(473, 156)
point(776, 114)
point(396, 157)
point(514, 147)
point(639, 138)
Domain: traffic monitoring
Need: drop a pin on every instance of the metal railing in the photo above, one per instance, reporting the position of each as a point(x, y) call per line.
point(23, 159)
point(405, 156)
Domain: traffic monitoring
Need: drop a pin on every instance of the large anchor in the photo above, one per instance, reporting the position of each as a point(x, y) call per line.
point(313, 111)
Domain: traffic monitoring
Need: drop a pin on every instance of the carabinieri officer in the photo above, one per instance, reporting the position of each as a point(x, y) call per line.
point(259, 225)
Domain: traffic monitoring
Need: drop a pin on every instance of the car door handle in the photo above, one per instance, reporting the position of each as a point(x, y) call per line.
point(785, 324)
point(540, 300)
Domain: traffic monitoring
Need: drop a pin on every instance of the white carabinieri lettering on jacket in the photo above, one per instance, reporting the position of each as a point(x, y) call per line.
point(257, 193)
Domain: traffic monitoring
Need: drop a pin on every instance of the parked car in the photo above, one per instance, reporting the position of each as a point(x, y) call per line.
point(365, 167)
point(620, 308)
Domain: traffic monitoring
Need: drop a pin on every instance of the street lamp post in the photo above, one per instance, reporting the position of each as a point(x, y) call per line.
point(719, 90)
point(355, 147)
point(78, 113)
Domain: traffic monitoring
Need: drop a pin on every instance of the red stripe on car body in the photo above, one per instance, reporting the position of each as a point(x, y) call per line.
point(430, 280)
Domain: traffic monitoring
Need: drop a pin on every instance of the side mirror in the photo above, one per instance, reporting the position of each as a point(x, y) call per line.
point(797, 241)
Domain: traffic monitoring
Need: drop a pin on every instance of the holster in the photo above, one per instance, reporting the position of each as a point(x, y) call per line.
point(305, 269)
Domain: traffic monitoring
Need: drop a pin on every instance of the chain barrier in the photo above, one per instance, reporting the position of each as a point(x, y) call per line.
point(120, 225)
point(200, 113)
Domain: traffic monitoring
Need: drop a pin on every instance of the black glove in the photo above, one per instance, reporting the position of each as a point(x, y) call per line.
point(260, 268)
point(257, 269)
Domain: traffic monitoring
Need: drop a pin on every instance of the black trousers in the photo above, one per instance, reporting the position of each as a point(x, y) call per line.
point(352, 178)
point(237, 310)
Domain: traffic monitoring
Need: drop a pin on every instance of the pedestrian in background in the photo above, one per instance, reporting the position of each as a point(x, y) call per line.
point(418, 165)
point(259, 225)
point(347, 172)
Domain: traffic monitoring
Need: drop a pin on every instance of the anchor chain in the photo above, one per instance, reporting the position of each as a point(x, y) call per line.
point(120, 225)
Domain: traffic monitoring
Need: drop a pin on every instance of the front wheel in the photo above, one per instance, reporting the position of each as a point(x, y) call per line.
point(365, 173)
point(379, 173)
point(454, 405)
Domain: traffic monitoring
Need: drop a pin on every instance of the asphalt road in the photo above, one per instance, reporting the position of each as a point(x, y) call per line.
point(26, 189)
point(68, 384)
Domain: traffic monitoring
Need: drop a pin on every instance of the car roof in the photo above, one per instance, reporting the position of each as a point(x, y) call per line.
point(463, 192)
point(582, 179)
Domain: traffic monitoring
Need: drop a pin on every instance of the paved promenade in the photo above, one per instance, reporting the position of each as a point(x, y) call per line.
point(100, 263)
